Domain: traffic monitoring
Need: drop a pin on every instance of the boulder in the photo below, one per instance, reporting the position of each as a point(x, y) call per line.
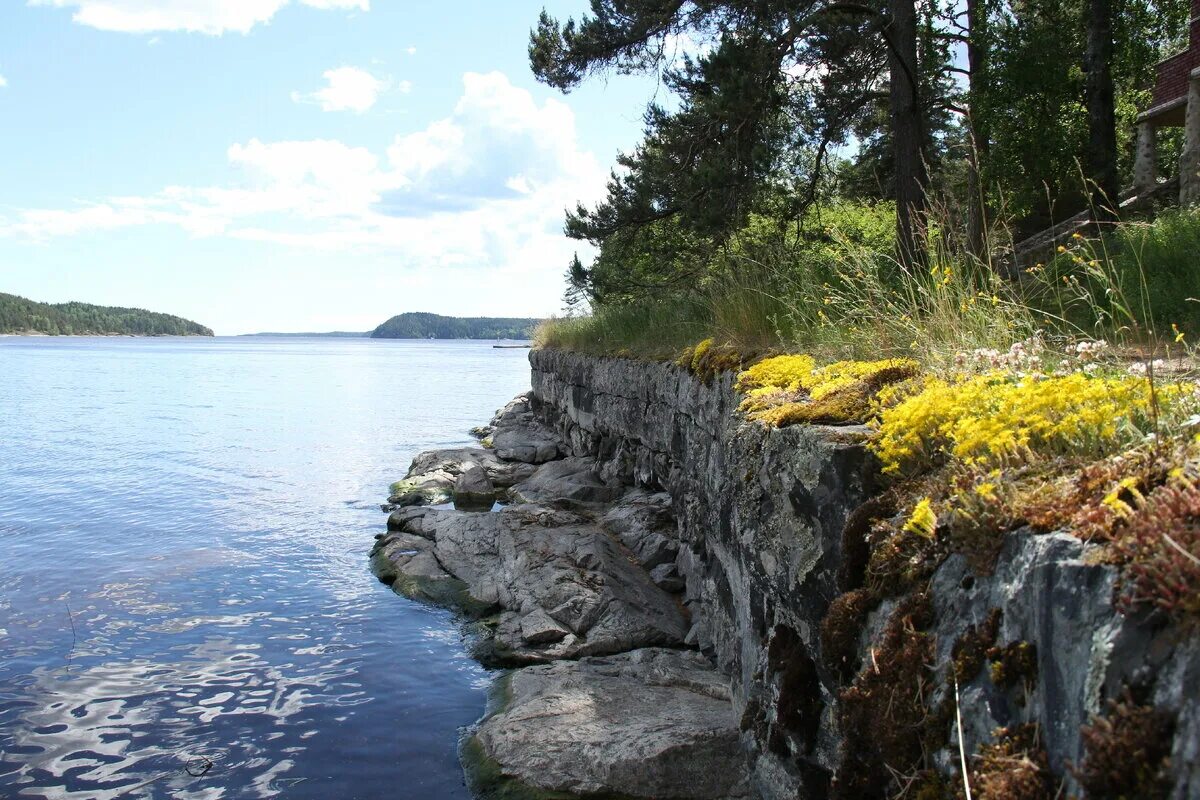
point(571, 482)
point(563, 587)
point(651, 723)
point(473, 490)
point(518, 435)
point(431, 476)
point(644, 523)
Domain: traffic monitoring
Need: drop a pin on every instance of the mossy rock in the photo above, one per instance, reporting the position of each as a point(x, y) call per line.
point(410, 492)
point(447, 592)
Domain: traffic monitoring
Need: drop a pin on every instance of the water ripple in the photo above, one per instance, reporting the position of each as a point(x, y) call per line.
point(183, 528)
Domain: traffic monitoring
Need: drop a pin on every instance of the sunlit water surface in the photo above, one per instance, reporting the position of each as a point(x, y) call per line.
point(184, 584)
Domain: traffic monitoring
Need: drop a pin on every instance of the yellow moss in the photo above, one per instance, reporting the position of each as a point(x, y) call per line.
point(787, 390)
point(698, 353)
point(998, 417)
point(781, 372)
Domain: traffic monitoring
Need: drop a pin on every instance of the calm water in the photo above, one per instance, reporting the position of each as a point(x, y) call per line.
point(184, 527)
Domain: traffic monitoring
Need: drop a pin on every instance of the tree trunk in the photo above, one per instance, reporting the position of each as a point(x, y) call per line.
point(907, 132)
point(977, 62)
point(1102, 119)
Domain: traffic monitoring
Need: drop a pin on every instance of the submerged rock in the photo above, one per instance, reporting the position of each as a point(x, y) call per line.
point(651, 723)
point(562, 586)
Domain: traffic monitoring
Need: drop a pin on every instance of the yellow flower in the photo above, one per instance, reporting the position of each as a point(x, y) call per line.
point(986, 490)
point(1178, 333)
point(1062, 249)
point(922, 521)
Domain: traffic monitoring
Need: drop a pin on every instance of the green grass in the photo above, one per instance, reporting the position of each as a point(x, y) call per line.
point(853, 300)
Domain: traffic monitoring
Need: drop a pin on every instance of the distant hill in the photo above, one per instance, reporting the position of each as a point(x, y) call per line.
point(19, 315)
point(418, 325)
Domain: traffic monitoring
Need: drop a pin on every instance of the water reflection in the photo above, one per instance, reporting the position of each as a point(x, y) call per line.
point(183, 530)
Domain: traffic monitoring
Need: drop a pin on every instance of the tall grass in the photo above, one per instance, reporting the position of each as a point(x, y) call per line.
point(854, 300)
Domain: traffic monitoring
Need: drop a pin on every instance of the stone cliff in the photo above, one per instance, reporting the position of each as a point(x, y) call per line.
point(690, 589)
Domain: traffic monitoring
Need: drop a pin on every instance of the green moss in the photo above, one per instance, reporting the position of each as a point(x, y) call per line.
point(972, 647)
point(841, 629)
point(414, 492)
point(1014, 663)
point(444, 592)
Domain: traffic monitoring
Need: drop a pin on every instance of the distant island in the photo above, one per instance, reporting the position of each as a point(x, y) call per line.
point(419, 325)
point(22, 316)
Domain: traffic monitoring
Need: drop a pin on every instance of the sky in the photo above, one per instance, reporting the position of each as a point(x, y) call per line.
point(295, 165)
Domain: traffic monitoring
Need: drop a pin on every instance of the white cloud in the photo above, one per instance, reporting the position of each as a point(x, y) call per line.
point(484, 187)
point(347, 89)
point(412, 51)
point(3, 81)
point(212, 17)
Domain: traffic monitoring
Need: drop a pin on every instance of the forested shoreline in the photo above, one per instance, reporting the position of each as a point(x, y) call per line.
point(421, 325)
point(19, 315)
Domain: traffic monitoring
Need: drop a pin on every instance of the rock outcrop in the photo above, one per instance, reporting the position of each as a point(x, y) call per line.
point(553, 584)
point(658, 517)
point(645, 724)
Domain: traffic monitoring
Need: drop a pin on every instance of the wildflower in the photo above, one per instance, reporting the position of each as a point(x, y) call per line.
point(922, 521)
point(1062, 249)
point(986, 490)
point(1142, 368)
point(1077, 236)
point(1178, 333)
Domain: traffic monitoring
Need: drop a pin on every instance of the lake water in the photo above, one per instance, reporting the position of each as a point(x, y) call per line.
point(184, 581)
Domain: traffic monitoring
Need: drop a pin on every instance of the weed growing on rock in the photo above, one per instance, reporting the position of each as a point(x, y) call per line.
point(1014, 767)
point(1159, 542)
point(972, 647)
point(1126, 753)
point(1012, 664)
point(841, 629)
point(882, 714)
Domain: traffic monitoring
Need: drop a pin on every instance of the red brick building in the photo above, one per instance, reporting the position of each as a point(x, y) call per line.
point(1175, 102)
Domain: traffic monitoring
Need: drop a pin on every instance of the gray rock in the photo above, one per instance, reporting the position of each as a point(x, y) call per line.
point(538, 628)
point(667, 578)
point(552, 565)
point(473, 489)
point(759, 546)
point(644, 523)
point(518, 435)
point(431, 476)
point(647, 724)
point(571, 482)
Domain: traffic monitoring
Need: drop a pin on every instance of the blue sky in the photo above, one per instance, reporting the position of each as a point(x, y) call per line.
point(294, 164)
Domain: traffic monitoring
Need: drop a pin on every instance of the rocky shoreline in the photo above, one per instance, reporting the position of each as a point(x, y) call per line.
point(574, 580)
point(675, 591)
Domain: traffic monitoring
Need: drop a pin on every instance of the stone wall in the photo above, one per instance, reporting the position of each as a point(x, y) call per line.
point(762, 514)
